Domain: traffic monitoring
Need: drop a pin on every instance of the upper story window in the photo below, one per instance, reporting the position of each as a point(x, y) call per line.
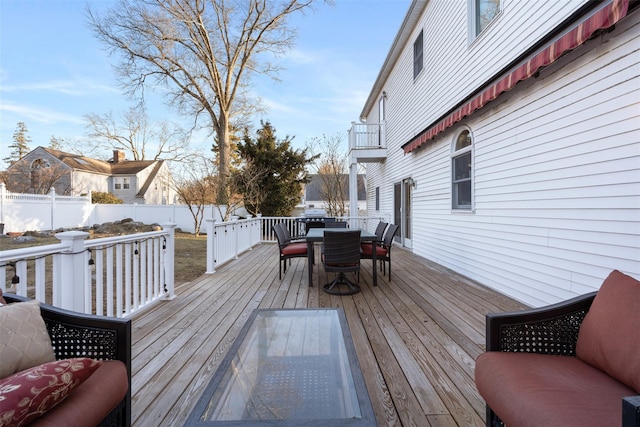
point(462, 171)
point(417, 55)
point(121, 183)
point(482, 13)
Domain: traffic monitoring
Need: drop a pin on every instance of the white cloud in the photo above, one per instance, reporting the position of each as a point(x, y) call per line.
point(40, 115)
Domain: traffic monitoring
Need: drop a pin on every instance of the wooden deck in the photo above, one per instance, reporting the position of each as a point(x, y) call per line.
point(416, 337)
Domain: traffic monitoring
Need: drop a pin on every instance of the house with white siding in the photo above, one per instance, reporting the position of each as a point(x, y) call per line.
point(132, 181)
point(503, 136)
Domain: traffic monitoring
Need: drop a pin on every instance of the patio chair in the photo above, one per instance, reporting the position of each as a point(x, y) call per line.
point(287, 248)
point(383, 251)
point(342, 255)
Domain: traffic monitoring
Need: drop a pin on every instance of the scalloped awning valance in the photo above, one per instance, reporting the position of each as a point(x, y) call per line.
point(605, 18)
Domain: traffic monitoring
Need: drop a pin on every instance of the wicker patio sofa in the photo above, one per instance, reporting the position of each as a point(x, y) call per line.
point(575, 363)
point(102, 396)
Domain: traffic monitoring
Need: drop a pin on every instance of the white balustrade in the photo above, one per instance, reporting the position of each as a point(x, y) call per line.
point(112, 276)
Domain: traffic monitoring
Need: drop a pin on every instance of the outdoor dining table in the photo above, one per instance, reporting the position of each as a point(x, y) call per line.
point(315, 235)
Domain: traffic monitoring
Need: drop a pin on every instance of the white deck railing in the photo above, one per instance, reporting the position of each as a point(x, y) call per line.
point(113, 276)
point(120, 276)
point(227, 240)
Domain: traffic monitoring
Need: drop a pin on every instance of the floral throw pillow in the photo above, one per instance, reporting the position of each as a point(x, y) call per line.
point(27, 395)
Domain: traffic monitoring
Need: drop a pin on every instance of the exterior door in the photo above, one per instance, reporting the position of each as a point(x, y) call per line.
point(402, 211)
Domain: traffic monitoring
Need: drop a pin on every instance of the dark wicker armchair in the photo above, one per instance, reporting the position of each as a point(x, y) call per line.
point(80, 335)
point(548, 330)
point(287, 247)
point(341, 254)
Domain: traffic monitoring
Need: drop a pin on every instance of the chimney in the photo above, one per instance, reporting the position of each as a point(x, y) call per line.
point(118, 156)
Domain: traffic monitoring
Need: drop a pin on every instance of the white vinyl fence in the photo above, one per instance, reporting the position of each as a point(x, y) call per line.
point(20, 212)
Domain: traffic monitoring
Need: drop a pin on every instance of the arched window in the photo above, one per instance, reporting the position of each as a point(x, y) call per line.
point(462, 171)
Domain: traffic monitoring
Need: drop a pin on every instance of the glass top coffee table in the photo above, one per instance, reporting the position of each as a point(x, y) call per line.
point(288, 367)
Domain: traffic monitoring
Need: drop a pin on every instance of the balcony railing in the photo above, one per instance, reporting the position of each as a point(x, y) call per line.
point(367, 136)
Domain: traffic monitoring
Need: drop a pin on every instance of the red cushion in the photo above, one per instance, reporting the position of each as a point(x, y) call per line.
point(380, 251)
point(528, 390)
point(94, 399)
point(609, 337)
point(27, 395)
point(295, 249)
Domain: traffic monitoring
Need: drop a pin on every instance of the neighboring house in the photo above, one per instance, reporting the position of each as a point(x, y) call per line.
point(506, 142)
point(313, 194)
point(142, 182)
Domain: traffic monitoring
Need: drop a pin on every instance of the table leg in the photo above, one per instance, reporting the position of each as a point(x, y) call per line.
point(374, 263)
point(310, 262)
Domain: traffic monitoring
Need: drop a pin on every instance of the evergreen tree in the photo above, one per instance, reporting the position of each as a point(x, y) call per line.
point(284, 170)
point(20, 146)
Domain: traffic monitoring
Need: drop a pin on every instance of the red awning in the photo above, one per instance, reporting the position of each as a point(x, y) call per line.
point(604, 18)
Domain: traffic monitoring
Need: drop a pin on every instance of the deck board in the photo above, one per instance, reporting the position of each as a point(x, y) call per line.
point(416, 337)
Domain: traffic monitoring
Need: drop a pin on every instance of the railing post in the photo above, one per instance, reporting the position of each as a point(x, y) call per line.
point(169, 262)
point(211, 244)
point(73, 265)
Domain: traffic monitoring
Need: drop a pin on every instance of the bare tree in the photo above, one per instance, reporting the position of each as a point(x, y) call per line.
point(246, 181)
point(197, 188)
point(134, 133)
point(202, 53)
point(39, 177)
point(331, 169)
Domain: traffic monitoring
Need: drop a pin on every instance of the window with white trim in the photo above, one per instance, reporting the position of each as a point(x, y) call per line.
point(462, 171)
point(481, 14)
point(417, 55)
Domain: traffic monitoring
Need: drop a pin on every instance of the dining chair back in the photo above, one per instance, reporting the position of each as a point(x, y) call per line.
point(342, 255)
point(383, 250)
point(380, 230)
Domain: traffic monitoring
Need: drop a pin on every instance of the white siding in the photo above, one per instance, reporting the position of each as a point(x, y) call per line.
point(556, 160)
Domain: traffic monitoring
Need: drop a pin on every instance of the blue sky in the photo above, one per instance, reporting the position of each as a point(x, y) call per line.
point(53, 71)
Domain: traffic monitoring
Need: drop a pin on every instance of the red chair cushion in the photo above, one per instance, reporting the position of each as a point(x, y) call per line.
point(608, 337)
point(295, 249)
point(380, 251)
point(532, 390)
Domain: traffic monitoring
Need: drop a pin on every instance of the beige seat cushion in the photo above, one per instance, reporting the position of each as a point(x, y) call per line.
point(609, 337)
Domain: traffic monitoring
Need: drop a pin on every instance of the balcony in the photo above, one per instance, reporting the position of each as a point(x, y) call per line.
point(367, 143)
point(416, 338)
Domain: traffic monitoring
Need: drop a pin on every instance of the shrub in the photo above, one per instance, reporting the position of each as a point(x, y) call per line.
point(104, 198)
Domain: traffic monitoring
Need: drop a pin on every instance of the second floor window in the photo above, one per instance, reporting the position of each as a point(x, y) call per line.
point(417, 55)
point(121, 183)
point(484, 11)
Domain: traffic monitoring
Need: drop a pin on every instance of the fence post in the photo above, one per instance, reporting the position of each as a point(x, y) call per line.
point(211, 245)
point(2, 196)
point(169, 260)
point(73, 265)
point(52, 194)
